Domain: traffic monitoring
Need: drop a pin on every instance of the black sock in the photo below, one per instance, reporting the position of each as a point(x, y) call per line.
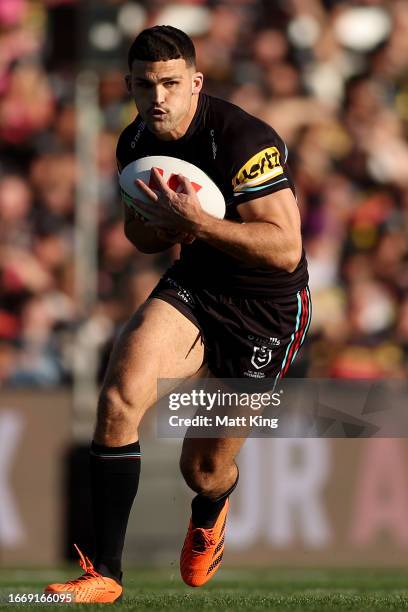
point(115, 475)
point(205, 511)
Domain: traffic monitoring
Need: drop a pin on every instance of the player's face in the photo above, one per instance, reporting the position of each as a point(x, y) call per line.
point(165, 93)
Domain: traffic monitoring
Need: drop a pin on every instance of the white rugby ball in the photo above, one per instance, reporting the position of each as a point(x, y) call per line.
point(209, 196)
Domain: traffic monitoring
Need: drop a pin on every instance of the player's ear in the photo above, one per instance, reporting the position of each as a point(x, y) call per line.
point(128, 83)
point(197, 82)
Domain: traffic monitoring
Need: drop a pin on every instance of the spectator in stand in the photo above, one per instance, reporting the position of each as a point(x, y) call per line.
point(330, 77)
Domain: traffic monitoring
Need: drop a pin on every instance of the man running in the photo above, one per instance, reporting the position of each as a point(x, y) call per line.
point(236, 301)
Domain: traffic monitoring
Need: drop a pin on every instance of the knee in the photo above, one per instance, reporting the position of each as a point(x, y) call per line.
point(116, 409)
point(201, 475)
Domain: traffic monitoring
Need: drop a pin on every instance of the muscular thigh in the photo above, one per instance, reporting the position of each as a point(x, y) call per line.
point(157, 342)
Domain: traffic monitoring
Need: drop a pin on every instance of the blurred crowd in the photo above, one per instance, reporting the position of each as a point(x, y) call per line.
point(330, 76)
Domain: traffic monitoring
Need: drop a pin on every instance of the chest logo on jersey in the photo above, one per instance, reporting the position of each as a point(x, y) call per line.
point(172, 182)
point(260, 169)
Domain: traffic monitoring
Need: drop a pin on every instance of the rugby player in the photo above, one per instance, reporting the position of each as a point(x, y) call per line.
point(235, 302)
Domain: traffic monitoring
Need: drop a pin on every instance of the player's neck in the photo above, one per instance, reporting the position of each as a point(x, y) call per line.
point(183, 126)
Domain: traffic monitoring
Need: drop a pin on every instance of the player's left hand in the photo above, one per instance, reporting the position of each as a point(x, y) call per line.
point(170, 210)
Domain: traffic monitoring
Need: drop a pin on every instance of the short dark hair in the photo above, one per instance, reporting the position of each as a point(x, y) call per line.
point(162, 43)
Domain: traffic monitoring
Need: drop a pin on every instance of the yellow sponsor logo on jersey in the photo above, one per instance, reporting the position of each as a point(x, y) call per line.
point(261, 168)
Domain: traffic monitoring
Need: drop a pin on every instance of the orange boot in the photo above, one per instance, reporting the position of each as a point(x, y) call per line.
point(203, 550)
point(91, 587)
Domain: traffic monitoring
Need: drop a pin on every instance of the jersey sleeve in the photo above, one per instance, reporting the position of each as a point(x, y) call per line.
point(260, 163)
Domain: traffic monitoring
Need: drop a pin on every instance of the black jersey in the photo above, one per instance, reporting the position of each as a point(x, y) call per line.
point(247, 160)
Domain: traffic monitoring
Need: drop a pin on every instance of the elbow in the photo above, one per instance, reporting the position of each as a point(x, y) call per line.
point(146, 249)
point(131, 239)
point(146, 245)
point(291, 268)
point(293, 260)
point(293, 255)
point(142, 247)
point(288, 261)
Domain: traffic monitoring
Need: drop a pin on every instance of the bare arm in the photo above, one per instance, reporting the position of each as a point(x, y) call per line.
point(270, 235)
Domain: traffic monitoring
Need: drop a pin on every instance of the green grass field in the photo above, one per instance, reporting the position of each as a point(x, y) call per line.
point(294, 590)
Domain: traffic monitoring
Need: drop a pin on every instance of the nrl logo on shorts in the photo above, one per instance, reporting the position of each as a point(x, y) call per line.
point(261, 356)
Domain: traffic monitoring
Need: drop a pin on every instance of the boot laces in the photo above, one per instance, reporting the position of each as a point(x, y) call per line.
point(87, 565)
point(202, 540)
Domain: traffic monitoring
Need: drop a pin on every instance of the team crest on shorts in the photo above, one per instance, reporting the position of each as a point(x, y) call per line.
point(261, 357)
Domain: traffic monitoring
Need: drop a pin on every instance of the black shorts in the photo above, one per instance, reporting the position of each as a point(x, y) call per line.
point(244, 337)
